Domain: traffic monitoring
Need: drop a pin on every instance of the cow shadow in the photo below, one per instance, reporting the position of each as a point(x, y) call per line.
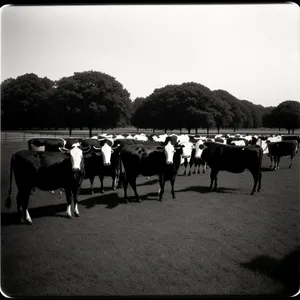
point(35, 213)
point(97, 190)
point(59, 210)
point(111, 200)
point(266, 169)
point(150, 182)
point(284, 270)
point(205, 189)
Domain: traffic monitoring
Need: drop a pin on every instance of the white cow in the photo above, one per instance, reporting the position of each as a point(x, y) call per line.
point(197, 161)
point(186, 154)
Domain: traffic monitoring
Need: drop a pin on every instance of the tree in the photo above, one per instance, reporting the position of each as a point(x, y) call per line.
point(287, 115)
point(25, 101)
point(94, 98)
point(239, 118)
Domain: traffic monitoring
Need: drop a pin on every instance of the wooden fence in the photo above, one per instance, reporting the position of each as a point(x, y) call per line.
point(23, 136)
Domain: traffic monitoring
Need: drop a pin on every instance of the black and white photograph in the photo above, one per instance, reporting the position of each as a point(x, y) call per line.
point(150, 150)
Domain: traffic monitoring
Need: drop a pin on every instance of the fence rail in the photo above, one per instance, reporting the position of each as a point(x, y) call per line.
point(23, 136)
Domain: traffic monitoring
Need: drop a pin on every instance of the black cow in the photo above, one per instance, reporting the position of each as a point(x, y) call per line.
point(46, 144)
point(280, 149)
point(162, 160)
point(234, 159)
point(291, 138)
point(101, 161)
point(46, 171)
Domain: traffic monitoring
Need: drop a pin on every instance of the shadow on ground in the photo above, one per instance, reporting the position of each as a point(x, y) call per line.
point(59, 210)
point(150, 182)
point(97, 190)
point(264, 169)
point(206, 189)
point(285, 270)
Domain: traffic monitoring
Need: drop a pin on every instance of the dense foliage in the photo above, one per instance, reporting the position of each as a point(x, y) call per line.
point(97, 100)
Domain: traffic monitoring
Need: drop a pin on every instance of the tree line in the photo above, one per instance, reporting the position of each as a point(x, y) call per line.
point(95, 100)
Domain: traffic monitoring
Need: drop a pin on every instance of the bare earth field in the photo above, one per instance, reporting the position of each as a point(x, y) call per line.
point(201, 243)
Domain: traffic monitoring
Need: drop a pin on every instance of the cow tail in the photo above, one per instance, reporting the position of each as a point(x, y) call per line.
point(8, 200)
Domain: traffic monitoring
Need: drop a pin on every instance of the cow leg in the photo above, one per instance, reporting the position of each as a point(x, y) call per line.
point(271, 160)
point(69, 202)
point(185, 165)
point(278, 160)
point(291, 161)
point(172, 187)
point(114, 182)
point(101, 178)
point(259, 181)
point(213, 177)
point(23, 200)
point(162, 187)
point(216, 180)
point(75, 192)
point(19, 203)
point(191, 165)
point(204, 167)
point(125, 185)
point(133, 185)
point(255, 178)
point(92, 185)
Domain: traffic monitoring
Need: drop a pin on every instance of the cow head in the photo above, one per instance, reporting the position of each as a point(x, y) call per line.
point(205, 155)
point(170, 146)
point(106, 150)
point(199, 148)
point(187, 149)
point(76, 155)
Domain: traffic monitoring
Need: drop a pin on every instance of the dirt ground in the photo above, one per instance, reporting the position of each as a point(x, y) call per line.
point(201, 243)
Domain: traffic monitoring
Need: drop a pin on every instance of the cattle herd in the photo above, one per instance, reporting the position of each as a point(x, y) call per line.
point(56, 163)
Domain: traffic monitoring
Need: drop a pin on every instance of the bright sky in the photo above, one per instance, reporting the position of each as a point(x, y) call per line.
point(252, 51)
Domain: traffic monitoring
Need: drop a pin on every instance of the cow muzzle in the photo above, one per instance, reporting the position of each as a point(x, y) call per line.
point(107, 164)
point(186, 156)
point(169, 163)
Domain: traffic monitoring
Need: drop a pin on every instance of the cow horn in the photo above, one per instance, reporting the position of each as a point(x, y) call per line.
point(96, 148)
point(64, 150)
point(86, 149)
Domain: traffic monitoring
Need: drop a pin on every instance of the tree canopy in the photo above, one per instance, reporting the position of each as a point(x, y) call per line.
point(97, 100)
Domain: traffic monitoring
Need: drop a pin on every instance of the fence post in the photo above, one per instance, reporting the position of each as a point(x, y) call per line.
point(23, 136)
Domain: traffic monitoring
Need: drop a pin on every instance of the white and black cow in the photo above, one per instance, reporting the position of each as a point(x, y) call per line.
point(162, 159)
point(101, 161)
point(46, 171)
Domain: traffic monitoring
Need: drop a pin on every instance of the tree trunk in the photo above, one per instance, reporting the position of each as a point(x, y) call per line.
point(70, 131)
point(189, 130)
point(218, 129)
point(180, 130)
point(166, 130)
point(234, 129)
point(207, 130)
point(196, 130)
point(90, 131)
point(279, 129)
point(293, 130)
point(153, 130)
point(289, 130)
